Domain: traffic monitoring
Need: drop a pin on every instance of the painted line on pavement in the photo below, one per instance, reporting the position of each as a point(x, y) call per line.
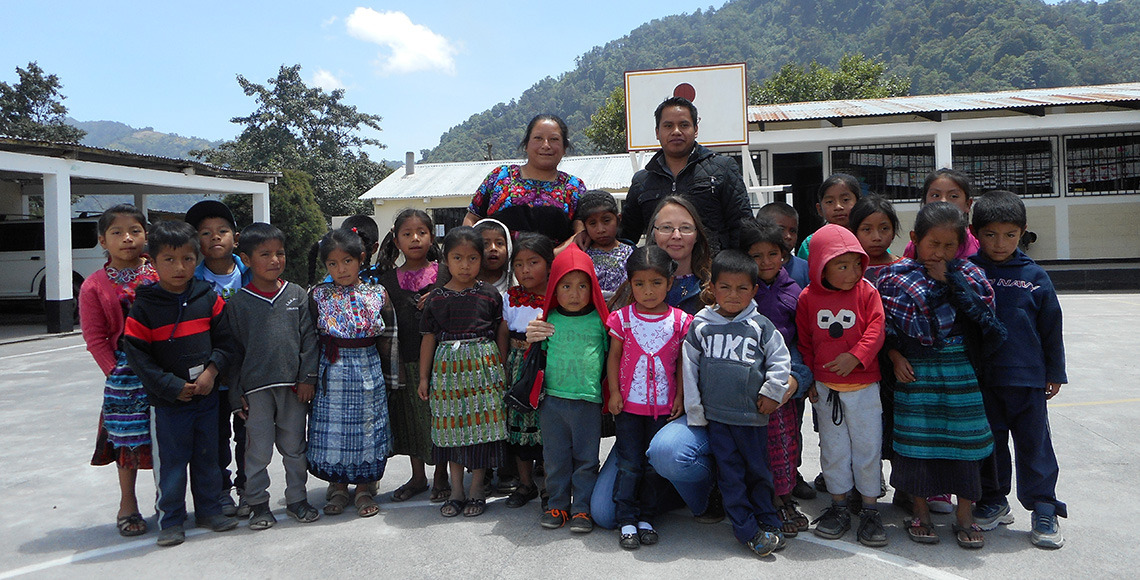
point(881, 556)
point(96, 553)
point(11, 356)
point(1090, 403)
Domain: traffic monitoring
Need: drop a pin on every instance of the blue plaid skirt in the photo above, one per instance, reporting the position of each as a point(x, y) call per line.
point(350, 437)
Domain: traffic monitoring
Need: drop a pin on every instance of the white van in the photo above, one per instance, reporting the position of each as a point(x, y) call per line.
point(22, 262)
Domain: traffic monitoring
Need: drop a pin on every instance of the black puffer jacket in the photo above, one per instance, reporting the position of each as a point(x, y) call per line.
point(710, 181)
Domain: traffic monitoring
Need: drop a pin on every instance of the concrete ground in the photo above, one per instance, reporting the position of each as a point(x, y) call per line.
point(59, 519)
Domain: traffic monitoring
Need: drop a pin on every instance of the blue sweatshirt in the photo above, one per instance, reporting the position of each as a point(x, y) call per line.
point(1034, 352)
point(728, 364)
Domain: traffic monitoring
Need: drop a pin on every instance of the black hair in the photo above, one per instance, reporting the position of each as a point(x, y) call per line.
point(761, 230)
point(493, 226)
point(869, 205)
point(122, 209)
point(960, 179)
point(366, 228)
point(650, 258)
point(462, 235)
point(734, 262)
point(171, 234)
point(774, 208)
point(843, 179)
point(674, 102)
point(547, 117)
point(595, 201)
point(256, 234)
point(939, 214)
point(388, 253)
point(702, 248)
point(344, 240)
point(999, 206)
point(535, 242)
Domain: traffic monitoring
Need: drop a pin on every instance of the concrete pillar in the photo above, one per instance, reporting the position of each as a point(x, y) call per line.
point(261, 206)
point(11, 202)
point(943, 156)
point(59, 305)
point(141, 203)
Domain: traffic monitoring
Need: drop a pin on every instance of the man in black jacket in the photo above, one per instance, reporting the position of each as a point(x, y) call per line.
point(686, 168)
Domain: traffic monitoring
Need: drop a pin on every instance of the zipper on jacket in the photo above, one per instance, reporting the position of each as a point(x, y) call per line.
point(674, 186)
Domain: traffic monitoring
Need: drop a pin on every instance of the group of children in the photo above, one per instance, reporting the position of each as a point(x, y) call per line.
point(410, 358)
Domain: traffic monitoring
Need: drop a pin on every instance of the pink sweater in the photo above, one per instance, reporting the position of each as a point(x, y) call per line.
point(101, 318)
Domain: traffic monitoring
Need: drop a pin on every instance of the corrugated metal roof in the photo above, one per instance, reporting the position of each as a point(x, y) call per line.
point(930, 104)
point(462, 179)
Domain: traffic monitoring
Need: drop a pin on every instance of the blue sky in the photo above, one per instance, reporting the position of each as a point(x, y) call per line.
point(423, 66)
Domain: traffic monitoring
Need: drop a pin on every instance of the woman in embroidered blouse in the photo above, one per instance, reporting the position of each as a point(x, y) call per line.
point(534, 196)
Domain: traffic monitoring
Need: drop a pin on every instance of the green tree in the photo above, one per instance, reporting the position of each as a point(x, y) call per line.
point(33, 108)
point(308, 129)
point(293, 208)
point(607, 124)
point(855, 77)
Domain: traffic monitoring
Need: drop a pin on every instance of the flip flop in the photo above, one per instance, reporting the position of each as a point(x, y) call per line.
point(439, 494)
point(914, 529)
point(338, 500)
point(475, 507)
point(451, 508)
point(408, 491)
point(366, 507)
point(126, 523)
point(962, 534)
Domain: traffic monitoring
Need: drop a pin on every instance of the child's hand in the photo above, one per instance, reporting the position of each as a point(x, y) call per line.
point(793, 388)
point(243, 412)
point(422, 300)
point(678, 407)
point(188, 392)
point(423, 389)
point(305, 392)
point(767, 406)
point(904, 373)
point(936, 270)
point(812, 394)
point(843, 364)
point(615, 405)
point(538, 330)
point(205, 381)
point(1051, 390)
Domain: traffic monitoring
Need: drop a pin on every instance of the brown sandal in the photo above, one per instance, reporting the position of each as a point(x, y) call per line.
point(338, 500)
point(366, 507)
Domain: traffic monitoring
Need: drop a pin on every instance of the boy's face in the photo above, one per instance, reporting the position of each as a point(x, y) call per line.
point(791, 227)
point(999, 240)
point(267, 261)
point(217, 238)
point(175, 267)
point(844, 271)
point(945, 189)
point(494, 250)
point(733, 291)
point(836, 204)
point(769, 258)
point(573, 291)
point(602, 228)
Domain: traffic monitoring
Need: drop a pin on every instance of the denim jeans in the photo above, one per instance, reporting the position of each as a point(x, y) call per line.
point(681, 454)
point(637, 487)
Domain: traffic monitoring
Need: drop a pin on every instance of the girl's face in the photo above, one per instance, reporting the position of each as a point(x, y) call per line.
point(494, 250)
point(945, 189)
point(344, 267)
point(679, 242)
point(545, 147)
point(531, 270)
point(413, 239)
point(463, 261)
point(769, 258)
point(124, 241)
point(602, 227)
point(875, 233)
point(649, 288)
point(938, 245)
point(836, 204)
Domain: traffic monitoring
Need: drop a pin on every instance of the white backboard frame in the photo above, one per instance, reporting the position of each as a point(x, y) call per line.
point(721, 98)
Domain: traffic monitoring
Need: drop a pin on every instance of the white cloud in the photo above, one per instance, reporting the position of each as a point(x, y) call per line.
point(326, 80)
point(328, 21)
point(413, 47)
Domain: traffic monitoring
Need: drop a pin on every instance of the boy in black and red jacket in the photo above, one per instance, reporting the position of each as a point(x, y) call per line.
point(177, 342)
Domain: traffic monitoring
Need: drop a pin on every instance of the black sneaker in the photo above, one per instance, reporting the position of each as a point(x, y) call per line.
point(763, 543)
point(714, 512)
point(820, 484)
point(552, 519)
point(781, 539)
point(521, 495)
point(871, 531)
point(802, 490)
point(833, 523)
point(581, 523)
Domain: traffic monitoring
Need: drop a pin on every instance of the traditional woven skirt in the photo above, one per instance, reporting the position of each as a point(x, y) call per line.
point(124, 422)
point(524, 437)
point(411, 418)
point(783, 447)
point(349, 434)
point(940, 429)
point(481, 456)
point(467, 390)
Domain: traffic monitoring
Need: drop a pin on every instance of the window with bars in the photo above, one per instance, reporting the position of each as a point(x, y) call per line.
point(757, 162)
point(1102, 164)
point(895, 171)
point(1025, 166)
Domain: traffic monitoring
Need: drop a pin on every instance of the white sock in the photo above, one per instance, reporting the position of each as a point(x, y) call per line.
point(628, 530)
point(644, 526)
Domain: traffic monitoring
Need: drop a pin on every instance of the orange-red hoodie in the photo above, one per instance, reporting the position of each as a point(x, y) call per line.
point(831, 322)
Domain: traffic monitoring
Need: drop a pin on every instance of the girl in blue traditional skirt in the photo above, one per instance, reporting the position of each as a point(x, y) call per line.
point(461, 372)
point(104, 300)
point(940, 314)
point(349, 433)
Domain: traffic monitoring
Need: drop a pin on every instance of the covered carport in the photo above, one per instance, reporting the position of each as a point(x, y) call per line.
point(57, 171)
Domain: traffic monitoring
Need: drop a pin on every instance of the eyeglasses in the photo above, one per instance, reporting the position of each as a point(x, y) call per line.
point(685, 229)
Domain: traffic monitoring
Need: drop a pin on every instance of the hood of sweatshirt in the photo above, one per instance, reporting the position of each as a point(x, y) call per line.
point(828, 243)
point(571, 259)
point(712, 314)
point(155, 294)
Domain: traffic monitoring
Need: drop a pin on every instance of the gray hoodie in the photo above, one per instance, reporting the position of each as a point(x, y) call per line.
point(728, 364)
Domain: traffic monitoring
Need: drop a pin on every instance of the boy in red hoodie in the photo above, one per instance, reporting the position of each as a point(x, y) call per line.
point(840, 325)
point(570, 416)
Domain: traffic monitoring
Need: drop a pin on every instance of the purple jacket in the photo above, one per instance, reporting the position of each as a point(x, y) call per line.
point(778, 304)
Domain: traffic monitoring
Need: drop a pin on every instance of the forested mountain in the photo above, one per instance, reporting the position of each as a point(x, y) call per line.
point(147, 141)
point(942, 46)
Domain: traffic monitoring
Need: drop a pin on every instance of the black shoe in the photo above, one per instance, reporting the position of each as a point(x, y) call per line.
point(820, 484)
point(834, 522)
point(802, 490)
point(871, 531)
point(781, 539)
point(714, 512)
point(521, 495)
